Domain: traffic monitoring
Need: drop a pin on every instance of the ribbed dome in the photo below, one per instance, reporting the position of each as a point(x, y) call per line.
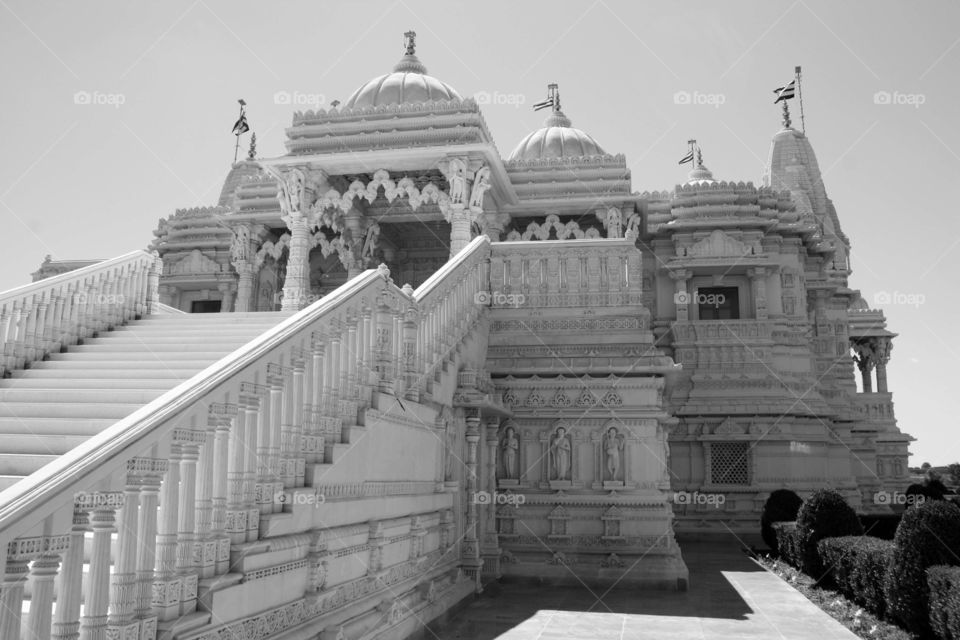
point(557, 139)
point(240, 172)
point(408, 84)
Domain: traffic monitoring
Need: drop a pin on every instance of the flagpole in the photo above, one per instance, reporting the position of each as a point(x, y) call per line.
point(803, 124)
point(236, 148)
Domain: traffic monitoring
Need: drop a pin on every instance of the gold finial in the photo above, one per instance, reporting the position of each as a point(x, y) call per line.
point(410, 42)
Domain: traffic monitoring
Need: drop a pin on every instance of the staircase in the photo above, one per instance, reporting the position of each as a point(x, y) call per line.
point(59, 402)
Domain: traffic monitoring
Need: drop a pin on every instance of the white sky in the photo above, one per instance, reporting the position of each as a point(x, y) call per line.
point(91, 181)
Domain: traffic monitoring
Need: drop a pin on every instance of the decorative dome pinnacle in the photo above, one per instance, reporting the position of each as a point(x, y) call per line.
point(409, 63)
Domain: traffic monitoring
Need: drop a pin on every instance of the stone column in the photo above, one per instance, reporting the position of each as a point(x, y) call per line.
point(11, 597)
point(884, 346)
point(222, 416)
point(43, 571)
point(93, 624)
point(153, 284)
point(66, 623)
point(245, 272)
point(190, 441)
point(384, 348)
point(865, 356)
point(296, 285)
point(470, 550)
point(153, 471)
point(681, 297)
point(490, 547)
point(495, 224)
point(166, 584)
point(226, 291)
point(758, 280)
point(459, 228)
point(123, 588)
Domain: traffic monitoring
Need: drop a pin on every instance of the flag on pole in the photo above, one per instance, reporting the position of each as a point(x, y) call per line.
point(240, 126)
point(543, 105)
point(553, 99)
point(785, 92)
point(687, 158)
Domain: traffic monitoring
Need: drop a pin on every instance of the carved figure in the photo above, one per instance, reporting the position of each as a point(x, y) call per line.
point(612, 446)
point(481, 183)
point(509, 447)
point(560, 454)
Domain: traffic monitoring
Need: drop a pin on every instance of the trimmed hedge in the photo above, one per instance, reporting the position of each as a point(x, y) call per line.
point(858, 566)
point(788, 542)
point(825, 514)
point(928, 535)
point(781, 506)
point(944, 584)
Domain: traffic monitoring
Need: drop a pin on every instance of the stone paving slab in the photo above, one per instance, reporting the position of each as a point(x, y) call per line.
point(731, 597)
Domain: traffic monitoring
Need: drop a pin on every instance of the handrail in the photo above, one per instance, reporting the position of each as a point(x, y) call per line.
point(85, 465)
point(431, 283)
point(76, 274)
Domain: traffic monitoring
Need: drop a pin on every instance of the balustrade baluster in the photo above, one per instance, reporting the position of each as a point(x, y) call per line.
point(11, 597)
point(190, 441)
point(102, 507)
point(166, 582)
point(66, 622)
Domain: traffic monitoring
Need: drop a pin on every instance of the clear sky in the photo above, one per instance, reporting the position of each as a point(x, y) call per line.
point(91, 180)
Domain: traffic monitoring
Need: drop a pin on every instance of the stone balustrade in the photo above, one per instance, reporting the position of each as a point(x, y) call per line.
point(174, 503)
point(45, 316)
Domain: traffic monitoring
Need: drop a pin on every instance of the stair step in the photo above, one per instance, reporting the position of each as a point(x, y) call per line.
point(208, 337)
point(20, 464)
point(177, 371)
point(141, 354)
point(157, 384)
point(211, 344)
point(82, 396)
point(112, 410)
point(128, 367)
point(57, 426)
point(39, 444)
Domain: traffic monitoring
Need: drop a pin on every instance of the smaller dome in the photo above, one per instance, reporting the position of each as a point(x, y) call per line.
point(557, 139)
point(239, 173)
point(860, 305)
point(701, 175)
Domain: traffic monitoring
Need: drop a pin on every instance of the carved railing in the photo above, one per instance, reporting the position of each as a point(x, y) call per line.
point(41, 318)
point(173, 498)
point(598, 272)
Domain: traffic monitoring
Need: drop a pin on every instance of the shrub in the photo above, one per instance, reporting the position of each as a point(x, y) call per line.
point(858, 566)
point(880, 525)
point(928, 535)
point(825, 514)
point(787, 542)
point(781, 506)
point(944, 585)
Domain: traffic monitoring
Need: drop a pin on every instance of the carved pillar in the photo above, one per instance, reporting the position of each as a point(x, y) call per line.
point(470, 551)
point(296, 285)
point(884, 346)
point(11, 597)
point(153, 284)
point(222, 416)
point(66, 624)
point(490, 547)
point(865, 356)
point(681, 297)
point(166, 584)
point(123, 589)
point(758, 281)
point(459, 228)
point(43, 571)
point(153, 470)
point(251, 403)
point(384, 348)
point(495, 224)
point(93, 624)
point(226, 291)
point(245, 273)
point(190, 441)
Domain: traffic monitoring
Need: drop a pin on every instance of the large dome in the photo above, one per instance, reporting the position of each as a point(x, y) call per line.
point(557, 139)
point(408, 84)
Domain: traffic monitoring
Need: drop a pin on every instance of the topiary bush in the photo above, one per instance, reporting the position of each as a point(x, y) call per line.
point(787, 542)
point(781, 506)
point(928, 535)
point(825, 514)
point(943, 583)
point(858, 566)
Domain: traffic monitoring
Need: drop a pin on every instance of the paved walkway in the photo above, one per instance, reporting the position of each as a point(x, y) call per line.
point(730, 598)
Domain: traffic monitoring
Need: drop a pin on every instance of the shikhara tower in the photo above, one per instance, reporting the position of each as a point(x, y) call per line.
point(464, 366)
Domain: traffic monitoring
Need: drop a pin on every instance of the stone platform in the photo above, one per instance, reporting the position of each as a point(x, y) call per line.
point(730, 597)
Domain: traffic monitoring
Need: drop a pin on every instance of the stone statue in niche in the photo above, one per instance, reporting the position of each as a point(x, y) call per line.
point(370, 241)
point(612, 447)
point(560, 449)
point(481, 182)
point(457, 177)
point(509, 446)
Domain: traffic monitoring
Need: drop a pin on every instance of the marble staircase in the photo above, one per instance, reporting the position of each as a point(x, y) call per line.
point(60, 402)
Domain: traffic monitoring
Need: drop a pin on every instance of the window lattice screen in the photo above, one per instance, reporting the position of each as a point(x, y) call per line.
point(730, 463)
